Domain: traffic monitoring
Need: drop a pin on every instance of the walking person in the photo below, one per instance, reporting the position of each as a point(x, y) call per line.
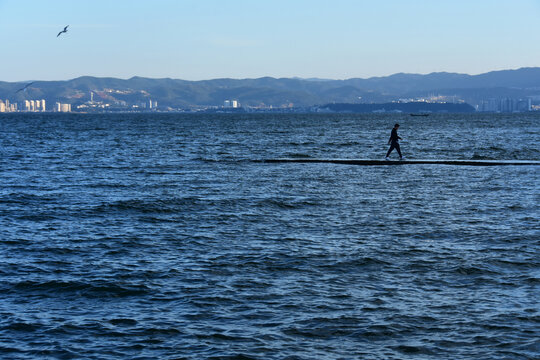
point(394, 142)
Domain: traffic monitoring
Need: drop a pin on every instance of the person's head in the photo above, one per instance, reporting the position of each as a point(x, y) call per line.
point(396, 126)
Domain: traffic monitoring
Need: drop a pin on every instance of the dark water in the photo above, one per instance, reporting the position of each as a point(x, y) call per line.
point(158, 237)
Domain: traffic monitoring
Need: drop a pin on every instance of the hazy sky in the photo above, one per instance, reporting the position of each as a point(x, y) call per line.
point(205, 39)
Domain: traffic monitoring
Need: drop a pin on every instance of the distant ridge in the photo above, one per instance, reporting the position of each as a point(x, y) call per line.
point(284, 92)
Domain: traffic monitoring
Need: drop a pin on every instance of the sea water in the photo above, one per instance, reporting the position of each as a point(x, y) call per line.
point(160, 236)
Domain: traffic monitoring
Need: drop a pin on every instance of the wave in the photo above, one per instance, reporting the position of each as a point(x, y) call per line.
point(27, 198)
point(296, 155)
point(149, 206)
point(87, 289)
point(286, 203)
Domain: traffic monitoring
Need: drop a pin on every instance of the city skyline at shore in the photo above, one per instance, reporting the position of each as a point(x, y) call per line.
point(241, 39)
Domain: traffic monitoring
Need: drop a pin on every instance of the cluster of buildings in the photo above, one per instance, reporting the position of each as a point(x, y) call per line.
point(506, 105)
point(26, 105)
point(437, 99)
point(6, 106)
point(32, 106)
point(112, 104)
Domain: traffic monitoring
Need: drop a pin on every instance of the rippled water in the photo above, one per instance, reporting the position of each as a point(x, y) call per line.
point(158, 237)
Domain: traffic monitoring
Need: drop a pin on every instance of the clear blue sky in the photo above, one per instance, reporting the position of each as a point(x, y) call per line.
point(205, 39)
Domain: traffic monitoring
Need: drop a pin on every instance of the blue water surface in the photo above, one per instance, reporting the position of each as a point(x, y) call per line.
point(161, 236)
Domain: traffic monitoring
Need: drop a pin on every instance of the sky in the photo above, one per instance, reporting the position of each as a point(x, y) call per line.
point(207, 39)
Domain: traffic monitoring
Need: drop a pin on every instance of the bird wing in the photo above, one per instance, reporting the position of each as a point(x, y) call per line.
point(65, 29)
point(59, 33)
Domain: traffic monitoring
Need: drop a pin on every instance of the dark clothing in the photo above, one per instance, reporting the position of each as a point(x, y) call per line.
point(394, 145)
point(393, 136)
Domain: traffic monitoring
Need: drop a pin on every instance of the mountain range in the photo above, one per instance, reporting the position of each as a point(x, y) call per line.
point(282, 92)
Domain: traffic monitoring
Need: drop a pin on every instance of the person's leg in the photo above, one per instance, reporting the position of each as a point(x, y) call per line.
point(398, 149)
point(390, 150)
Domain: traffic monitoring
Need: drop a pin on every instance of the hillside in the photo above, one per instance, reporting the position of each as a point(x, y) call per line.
point(283, 92)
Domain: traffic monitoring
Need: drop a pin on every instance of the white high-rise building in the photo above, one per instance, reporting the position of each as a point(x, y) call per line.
point(230, 103)
point(59, 107)
point(43, 107)
point(2, 106)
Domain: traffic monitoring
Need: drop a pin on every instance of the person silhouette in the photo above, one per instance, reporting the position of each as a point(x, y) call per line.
point(394, 143)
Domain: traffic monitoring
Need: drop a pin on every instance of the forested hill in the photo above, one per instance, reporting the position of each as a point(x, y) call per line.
point(281, 92)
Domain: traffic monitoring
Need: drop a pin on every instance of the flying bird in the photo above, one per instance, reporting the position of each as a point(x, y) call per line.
point(63, 31)
point(24, 88)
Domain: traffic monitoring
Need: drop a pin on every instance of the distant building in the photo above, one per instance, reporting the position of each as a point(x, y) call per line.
point(507, 105)
point(150, 104)
point(59, 107)
point(230, 104)
point(2, 106)
point(524, 105)
point(490, 105)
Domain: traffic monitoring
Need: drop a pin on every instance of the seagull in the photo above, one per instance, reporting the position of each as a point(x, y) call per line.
point(63, 31)
point(25, 87)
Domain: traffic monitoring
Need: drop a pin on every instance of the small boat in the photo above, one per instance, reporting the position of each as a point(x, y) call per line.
point(421, 114)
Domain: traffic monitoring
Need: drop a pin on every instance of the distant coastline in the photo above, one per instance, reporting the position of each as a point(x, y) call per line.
point(414, 108)
point(498, 91)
